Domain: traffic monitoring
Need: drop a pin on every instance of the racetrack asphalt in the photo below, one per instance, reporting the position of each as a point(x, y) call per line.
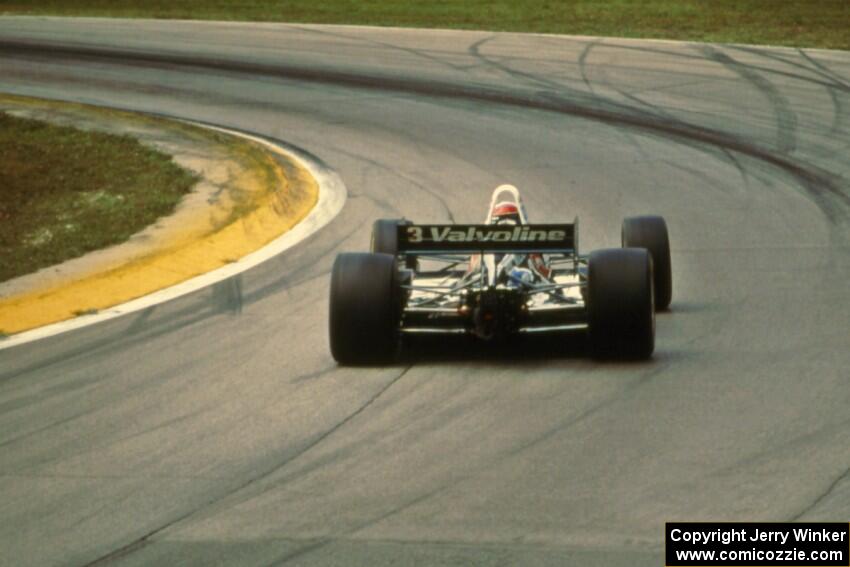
point(216, 427)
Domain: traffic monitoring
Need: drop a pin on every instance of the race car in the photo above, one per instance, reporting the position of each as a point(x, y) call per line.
point(496, 280)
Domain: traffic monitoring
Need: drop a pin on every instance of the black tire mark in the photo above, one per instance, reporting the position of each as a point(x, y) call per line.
point(320, 543)
point(146, 539)
point(786, 135)
point(844, 476)
point(823, 188)
point(424, 54)
point(414, 182)
point(839, 108)
point(766, 70)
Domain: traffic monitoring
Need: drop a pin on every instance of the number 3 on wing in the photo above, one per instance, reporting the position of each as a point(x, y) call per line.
point(414, 234)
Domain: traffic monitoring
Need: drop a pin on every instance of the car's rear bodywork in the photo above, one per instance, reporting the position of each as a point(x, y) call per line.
point(457, 285)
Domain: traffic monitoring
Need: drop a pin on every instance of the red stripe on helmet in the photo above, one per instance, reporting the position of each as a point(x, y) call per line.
point(503, 209)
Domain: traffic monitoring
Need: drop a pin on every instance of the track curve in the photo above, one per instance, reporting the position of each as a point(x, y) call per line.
point(217, 427)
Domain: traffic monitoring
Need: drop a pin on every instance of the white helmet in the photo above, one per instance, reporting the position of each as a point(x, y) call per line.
point(506, 211)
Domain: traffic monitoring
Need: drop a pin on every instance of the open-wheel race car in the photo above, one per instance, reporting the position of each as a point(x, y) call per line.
point(497, 280)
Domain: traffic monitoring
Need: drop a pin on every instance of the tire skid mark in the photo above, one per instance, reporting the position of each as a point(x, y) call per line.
point(414, 182)
point(822, 187)
point(839, 109)
point(583, 67)
point(121, 340)
point(766, 70)
point(582, 62)
point(786, 118)
point(844, 476)
point(39, 460)
point(650, 111)
point(836, 91)
point(146, 539)
point(85, 413)
point(446, 414)
point(287, 281)
point(841, 81)
point(472, 474)
point(592, 410)
point(323, 542)
point(382, 204)
point(702, 176)
point(815, 69)
point(423, 53)
point(328, 433)
point(742, 171)
point(42, 429)
point(531, 79)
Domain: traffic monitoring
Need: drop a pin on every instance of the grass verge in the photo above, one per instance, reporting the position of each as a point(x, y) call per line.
point(814, 23)
point(65, 192)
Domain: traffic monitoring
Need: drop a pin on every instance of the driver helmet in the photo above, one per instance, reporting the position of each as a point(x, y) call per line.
point(505, 213)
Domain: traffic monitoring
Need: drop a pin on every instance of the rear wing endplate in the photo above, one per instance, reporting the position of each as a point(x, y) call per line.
point(426, 239)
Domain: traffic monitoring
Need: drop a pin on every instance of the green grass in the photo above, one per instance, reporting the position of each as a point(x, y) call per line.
point(65, 192)
point(816, 23)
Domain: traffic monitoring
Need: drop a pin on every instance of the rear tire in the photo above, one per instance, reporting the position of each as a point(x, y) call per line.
point(620, 306)
point(365, 308)
point(650, 232)
point(385, 238)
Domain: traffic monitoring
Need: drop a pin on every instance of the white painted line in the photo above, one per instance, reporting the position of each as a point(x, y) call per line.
point(332, 196)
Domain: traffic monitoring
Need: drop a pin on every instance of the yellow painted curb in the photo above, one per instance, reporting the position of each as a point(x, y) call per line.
point(269, 196)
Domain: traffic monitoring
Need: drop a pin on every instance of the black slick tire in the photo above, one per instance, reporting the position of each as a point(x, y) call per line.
point(650, 232)
point(365, 308)
point(620, 306)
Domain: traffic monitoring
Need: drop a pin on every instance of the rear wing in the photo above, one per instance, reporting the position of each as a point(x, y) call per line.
point(423, 239)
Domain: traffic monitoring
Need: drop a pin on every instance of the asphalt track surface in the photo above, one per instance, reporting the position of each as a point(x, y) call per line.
point(217, 427)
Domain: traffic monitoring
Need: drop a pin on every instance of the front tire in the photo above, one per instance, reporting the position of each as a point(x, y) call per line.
point(365, 308)
point(650, 232)
point(620, 305)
